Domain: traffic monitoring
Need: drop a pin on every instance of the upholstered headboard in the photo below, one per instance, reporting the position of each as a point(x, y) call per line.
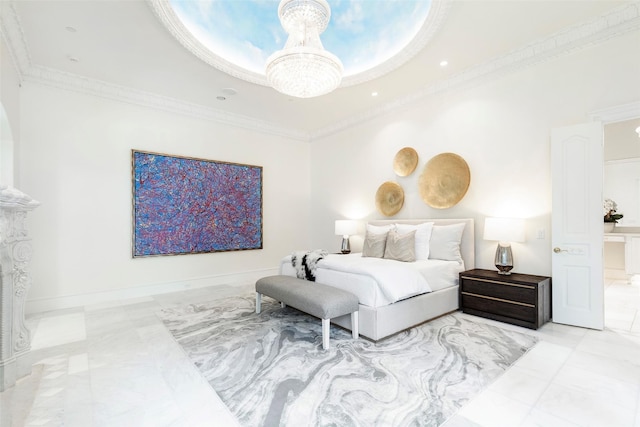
point(467, 244)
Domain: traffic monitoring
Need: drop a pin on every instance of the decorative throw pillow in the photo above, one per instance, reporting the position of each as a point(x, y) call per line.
point(423, 235)
point(374, 244)
point(445, 242)
point(401, 247)
point(379, 229)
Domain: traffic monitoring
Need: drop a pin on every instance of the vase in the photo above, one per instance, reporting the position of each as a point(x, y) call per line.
point(609, 226)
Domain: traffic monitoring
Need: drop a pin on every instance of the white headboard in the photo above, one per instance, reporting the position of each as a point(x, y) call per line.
point(467, 245)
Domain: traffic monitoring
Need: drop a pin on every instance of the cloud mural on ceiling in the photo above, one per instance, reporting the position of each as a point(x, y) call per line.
point(362, 33)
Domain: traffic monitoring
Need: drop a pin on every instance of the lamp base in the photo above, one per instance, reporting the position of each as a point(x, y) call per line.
point(504, 269)
point(346, 248)
point(504, 259)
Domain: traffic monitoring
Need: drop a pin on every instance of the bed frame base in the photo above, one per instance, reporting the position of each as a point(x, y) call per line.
point(381, 322)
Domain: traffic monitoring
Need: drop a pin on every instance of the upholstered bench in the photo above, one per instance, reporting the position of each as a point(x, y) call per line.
point(312, 298)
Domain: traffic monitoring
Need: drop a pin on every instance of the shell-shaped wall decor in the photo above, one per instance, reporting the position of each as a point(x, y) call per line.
point(389, 198)
point(444, 180)
point(405, 161)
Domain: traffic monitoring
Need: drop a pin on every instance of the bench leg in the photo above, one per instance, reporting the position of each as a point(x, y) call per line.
point(258, 302)
point(325, 333)
point(354, 325)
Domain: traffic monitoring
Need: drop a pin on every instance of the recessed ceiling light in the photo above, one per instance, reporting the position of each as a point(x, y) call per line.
point(229, 91)
point(374, 93)
point(444, 63)
point(70, 29)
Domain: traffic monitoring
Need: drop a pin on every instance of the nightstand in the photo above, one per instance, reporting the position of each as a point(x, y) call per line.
point(519, 299)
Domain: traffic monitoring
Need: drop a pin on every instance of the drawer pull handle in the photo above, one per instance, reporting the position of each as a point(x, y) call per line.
point(477, 279)
point(499, 299)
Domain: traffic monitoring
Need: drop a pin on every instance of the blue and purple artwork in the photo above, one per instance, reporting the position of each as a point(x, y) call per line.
point(186, 206)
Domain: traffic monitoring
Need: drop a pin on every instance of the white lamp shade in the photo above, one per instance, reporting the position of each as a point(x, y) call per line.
point(346, 227)
point(504, 229)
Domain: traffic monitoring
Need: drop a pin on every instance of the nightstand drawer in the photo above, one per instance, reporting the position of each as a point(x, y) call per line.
point(506, 308)
point(519, 299)
point(512, 292)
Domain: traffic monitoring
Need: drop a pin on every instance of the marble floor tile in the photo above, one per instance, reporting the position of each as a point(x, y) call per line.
point(519, 384)
point(613, 344)
point(460, 421)
point(56, 330)
point(601, 386)
point(615, 369)
point(584, 409)
point(538, 418)
point(115, 365)
point(544, 360)
point(493, 409)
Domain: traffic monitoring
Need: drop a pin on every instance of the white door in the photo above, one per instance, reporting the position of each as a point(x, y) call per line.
point(577, 226)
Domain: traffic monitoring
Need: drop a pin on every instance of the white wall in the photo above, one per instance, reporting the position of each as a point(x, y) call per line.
point(501, 128)
point(76, 160)
point(621, 141)
point(9, 117)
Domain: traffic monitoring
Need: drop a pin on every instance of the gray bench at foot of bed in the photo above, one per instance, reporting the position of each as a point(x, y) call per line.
point(312, 298)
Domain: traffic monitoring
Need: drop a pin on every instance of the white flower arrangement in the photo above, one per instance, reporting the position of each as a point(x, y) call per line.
point(610, 209)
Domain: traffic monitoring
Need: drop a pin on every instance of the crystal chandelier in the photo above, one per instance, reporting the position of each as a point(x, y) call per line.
point(303, 68)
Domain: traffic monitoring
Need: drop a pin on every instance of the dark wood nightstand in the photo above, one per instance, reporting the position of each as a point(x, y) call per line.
point(519, 299)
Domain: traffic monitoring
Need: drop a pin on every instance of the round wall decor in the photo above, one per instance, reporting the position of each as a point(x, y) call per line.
point(444, 180)
point(389, 198)
point(405, 161)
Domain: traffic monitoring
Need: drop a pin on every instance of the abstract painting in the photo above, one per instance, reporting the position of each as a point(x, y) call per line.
point(184, 205)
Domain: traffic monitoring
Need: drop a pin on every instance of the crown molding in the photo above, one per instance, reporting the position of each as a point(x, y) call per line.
point(75, 83)
point(614, 23)
point(167, 16)
point(11, 31)
point(438, 11)
point(618, 113)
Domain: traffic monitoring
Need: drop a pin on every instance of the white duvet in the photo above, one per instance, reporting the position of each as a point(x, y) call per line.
point(378, 281)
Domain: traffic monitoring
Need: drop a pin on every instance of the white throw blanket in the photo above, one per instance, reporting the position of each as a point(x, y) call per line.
point(305, 263)
point(397, 280)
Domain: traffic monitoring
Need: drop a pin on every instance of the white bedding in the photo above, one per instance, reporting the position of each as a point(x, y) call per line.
point(377, 281)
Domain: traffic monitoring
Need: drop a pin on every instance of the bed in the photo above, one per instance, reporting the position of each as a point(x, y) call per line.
point(382, 312)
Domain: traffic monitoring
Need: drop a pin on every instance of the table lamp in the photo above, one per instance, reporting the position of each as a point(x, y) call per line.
point(346, 228)
point(505, 231)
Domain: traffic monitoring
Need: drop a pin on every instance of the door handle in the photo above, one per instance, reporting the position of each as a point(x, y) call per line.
point(558, 250)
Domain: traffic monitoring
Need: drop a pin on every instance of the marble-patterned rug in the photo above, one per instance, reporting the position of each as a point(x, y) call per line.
point(270, 368)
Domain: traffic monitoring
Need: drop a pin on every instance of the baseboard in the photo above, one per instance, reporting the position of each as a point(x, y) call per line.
point(79, 300)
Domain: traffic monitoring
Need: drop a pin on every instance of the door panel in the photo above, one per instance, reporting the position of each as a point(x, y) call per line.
point(577, 226)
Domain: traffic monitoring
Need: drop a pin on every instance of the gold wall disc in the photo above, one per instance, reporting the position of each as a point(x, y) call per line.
point(405, 161)
point(444, 180)
point(389, 198)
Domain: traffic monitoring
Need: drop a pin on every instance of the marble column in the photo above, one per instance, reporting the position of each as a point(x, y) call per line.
point(15, 280)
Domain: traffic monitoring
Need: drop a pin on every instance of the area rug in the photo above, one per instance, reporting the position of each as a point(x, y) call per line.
point(270, 368)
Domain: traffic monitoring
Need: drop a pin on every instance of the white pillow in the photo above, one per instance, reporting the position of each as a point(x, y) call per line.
point(423, 235)
point(445, 242)
point(379, 229)
point(374, 245)
point(400, 247)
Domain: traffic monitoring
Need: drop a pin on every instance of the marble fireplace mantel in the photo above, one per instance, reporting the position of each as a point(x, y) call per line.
point(15, 281)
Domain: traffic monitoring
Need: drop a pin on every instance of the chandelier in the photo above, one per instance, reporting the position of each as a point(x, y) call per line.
point(303, 68)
